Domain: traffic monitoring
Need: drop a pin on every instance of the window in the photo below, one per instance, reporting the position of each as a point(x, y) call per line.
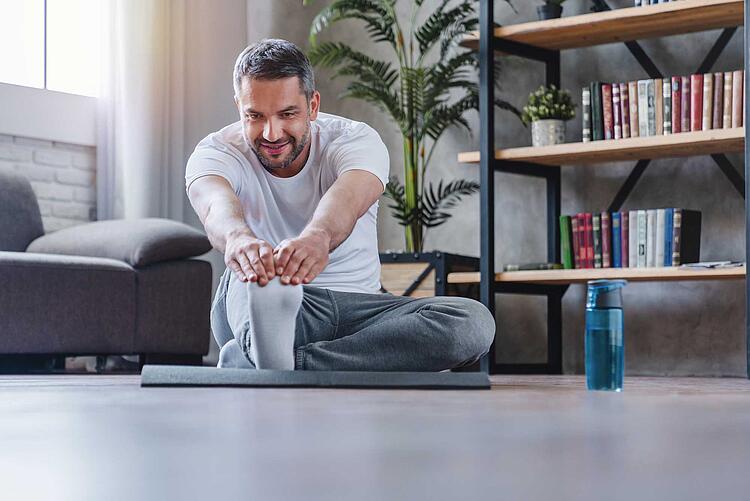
point(51, 44)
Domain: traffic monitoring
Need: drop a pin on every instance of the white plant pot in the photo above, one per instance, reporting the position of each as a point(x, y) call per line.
point(547, 132)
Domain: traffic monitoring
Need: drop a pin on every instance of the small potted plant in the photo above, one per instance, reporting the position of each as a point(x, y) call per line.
point(551, 9)
point(547, 110)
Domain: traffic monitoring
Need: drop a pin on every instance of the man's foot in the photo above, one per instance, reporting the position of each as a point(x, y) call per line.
point(231, 356)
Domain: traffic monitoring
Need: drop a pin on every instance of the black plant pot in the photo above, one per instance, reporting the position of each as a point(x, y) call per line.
point(549, 11)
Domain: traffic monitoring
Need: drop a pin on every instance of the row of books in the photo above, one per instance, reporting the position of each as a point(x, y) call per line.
point(643, 238)
point(657, 106)
point(641, 3)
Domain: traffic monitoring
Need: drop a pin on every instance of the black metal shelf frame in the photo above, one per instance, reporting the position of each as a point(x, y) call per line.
point(488, 165)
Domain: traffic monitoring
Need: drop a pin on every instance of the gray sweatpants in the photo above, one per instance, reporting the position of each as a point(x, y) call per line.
point(345, 330)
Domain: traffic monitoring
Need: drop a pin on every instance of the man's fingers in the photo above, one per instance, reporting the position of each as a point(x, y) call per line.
point(237, 269)
point(284, 254)
point(245, 266)
point(303, 271)
point(292, 267)
point(257, 265)
point(266, 257)
point(314, 272)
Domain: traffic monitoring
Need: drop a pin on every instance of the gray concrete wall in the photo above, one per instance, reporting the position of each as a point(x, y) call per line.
point(678, 329)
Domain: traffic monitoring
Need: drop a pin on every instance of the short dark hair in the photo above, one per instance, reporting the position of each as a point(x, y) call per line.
point(274, 59)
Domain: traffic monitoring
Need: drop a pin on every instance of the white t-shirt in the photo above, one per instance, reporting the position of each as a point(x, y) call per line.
point(277, 208)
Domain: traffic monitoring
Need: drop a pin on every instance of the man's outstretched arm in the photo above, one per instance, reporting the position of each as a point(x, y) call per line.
point(299, 260)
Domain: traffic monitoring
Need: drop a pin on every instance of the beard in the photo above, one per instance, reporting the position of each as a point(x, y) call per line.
point(297, 147)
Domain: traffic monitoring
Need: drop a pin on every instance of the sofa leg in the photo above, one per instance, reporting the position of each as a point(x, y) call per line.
point(169, 359)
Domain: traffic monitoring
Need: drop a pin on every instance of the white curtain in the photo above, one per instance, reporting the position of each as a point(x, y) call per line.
point(140, 149)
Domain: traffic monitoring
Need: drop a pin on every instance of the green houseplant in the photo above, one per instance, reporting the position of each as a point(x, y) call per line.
point(427, 87)
point(547, 110)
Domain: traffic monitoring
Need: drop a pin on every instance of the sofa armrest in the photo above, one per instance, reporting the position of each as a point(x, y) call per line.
point(138, 242)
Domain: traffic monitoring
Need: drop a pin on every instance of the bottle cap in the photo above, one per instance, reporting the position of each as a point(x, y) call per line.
point(605, 293)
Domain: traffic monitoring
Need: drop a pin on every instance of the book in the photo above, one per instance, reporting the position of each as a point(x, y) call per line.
point(651, 103)
point(666, 91)
point(708, 101)
point(576, 247)
point(625, 109)
point(686, 236)
point(633, 104)
point(658, 107)
point(659, 238)
point(668, 213)
point(643, 108)
point(588, 230)
point(641, 238)
point(696, 102)
point(609, 123)
point(617, 118)
point(633, 239)
point(597, 125)
point(676, 108)
point(566, 253)
point(685, 103)
point(727, 113)
point(606, 240)
point(617, 240)
point(532, 266)
point(586, 113)
point(737, 82)
point(650, 238)
point(597, 222)
point(718, 104)
point(625, 236)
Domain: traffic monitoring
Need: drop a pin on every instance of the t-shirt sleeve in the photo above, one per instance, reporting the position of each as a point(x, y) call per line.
point(361, 149)
point(210, 159)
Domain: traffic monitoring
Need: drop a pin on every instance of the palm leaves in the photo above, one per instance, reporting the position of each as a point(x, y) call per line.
point(425, 93)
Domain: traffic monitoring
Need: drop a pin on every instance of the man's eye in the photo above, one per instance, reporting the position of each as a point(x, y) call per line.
point(252, 116)
point(289, 114)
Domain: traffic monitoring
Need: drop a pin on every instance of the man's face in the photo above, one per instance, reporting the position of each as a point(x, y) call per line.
point(276, 122)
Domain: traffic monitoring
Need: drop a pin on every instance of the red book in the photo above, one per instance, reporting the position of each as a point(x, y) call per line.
point(582, 239)
point(696, 102)
point(625, 232)
point(616, 108)
point(606, 240)
point(576, 247)
point(685, 103)
point(676, 106)
point(609, 123)
point(625, 110)
point(588, 232)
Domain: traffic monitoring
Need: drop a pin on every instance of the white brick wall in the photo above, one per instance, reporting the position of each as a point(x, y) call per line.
point(62, 176)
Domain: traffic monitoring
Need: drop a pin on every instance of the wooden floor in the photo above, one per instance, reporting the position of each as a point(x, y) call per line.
point(530, 437)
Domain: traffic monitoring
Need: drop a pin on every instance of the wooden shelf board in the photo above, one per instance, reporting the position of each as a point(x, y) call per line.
point(635, 148)
point(622, 25)
point(582, 276)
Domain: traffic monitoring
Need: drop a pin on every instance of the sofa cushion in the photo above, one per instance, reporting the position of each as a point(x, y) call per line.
point(20, 221)
point(138, 242)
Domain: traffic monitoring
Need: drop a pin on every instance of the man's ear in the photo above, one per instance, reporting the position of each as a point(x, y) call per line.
point(314, 105)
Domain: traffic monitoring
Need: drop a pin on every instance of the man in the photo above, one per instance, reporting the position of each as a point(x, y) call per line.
point(290, 195)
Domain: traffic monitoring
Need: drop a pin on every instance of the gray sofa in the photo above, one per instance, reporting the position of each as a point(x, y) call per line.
point(102, 288)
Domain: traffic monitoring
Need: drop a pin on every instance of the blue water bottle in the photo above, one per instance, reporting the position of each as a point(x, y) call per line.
point(605, 357)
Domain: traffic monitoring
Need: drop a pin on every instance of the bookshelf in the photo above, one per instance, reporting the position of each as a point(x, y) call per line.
point(542, 41)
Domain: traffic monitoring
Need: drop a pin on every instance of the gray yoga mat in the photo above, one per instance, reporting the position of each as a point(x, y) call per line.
point(175, 375)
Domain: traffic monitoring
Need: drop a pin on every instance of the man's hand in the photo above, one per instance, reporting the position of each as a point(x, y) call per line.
point(250, 258)
point(299, 260)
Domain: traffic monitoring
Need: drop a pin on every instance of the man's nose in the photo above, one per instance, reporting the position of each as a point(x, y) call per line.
point(272, 131)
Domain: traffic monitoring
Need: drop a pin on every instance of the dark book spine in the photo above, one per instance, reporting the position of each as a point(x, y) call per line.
point(668, 215)
point(688, 244)
point(597, 222)
point(597, 126)
point(565, 245)
point(609, 126)
point(586, 105)
point(606, 240)
point(625, 109)
point(616, 240)
point(676, 105)
point(576, 247)
point(696, 102)
point(625, 237)
point(666, 95)
point(685, 113)
point(718, 104)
